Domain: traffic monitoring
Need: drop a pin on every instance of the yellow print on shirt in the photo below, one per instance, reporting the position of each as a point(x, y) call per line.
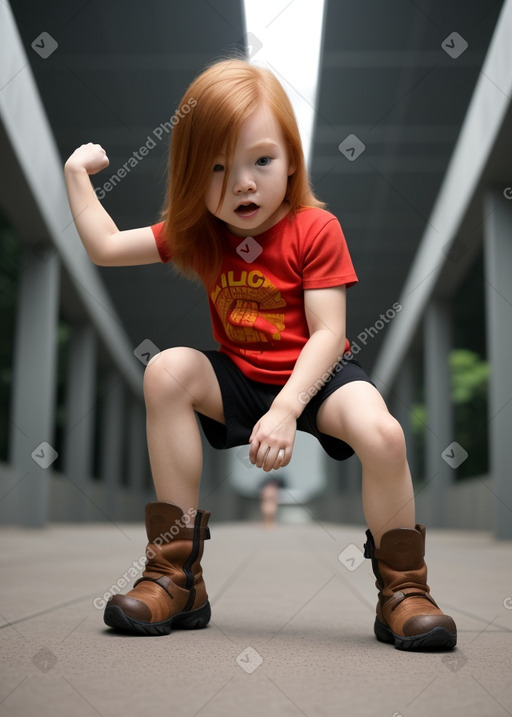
point(246, 304)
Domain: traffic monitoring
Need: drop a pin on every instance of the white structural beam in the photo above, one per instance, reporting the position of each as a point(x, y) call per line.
point(30, 137)
point(498, 289)
point(484, 118)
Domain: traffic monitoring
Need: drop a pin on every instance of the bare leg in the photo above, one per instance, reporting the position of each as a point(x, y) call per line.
point(357, 414)
point(177, 382)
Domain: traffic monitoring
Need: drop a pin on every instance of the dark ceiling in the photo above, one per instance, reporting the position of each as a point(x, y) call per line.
point(121, 68)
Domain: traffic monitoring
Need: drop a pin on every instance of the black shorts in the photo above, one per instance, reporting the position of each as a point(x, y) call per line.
point(245, 401)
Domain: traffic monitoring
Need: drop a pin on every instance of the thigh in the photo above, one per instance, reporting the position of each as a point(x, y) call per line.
point(189, 371)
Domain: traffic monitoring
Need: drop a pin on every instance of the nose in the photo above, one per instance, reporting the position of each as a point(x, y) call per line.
point(243, 182)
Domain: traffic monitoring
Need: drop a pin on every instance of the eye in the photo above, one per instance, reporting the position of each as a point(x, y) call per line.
point(218, 167)
point(263, 161)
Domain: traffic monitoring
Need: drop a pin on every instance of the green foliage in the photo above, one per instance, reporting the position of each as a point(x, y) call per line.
point(419, 418)
point(469, 375)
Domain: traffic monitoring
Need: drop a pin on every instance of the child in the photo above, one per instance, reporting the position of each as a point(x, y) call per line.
point(241, 216)
point(269, 499)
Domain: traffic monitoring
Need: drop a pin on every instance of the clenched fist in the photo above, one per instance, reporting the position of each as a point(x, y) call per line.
point(91, 157)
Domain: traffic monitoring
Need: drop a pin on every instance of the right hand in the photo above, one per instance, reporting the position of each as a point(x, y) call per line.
point(91, 157)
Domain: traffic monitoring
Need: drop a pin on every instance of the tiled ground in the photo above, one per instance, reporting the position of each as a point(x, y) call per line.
point(291, 631)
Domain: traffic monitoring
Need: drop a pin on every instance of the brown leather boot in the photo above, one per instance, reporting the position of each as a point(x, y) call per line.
point(407, 615)
point(171, 592)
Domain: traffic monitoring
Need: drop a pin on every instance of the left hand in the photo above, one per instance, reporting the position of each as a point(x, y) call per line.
point(272, 439)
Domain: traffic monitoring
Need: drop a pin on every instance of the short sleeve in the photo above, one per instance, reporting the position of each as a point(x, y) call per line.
point(163, 249)
point(327, 260)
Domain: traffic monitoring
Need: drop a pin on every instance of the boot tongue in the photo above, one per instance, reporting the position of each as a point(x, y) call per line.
point(156, 526)
point(401, 549)
point(162, 520)
point(404, 546)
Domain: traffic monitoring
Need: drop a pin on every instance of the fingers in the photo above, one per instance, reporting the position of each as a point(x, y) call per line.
point(253, 450)
point(92, 147)
point(91, 157)
point(97, 158)
point(267, 457)
point(272, 440)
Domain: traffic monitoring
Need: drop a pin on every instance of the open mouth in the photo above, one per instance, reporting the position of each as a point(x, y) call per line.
point(246, 210)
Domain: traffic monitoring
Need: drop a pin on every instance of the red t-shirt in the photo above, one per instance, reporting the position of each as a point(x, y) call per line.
point(257, 301)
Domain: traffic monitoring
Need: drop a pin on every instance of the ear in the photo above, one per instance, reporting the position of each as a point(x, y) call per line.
point(291, 168)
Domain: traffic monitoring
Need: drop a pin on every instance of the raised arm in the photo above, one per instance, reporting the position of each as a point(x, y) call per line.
point(105, 244)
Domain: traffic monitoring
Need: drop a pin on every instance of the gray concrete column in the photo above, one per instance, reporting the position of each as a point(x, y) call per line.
point(137, 457)
point(217, 492)
point(328, 506)
point(80, 415)
point(439, 469)
point(113, 430)
point(402, 404)
point(351, 481)
point(498, 294)
point(33, 393)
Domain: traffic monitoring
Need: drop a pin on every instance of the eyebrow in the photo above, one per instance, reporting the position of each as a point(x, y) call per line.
point(264, 143)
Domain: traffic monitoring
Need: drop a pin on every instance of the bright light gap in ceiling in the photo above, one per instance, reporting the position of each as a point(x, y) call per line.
point(286, 37)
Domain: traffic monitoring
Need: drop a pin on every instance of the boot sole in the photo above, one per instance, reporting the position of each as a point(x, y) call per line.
point(118, 620)
point(439, 638)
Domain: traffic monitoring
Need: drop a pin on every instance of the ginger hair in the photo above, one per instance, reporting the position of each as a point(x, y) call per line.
point(220, 99)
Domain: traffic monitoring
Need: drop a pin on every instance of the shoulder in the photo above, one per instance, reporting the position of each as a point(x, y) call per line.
point(314, 215)
point(313, 225)
point(311, 221)
point(323, 253)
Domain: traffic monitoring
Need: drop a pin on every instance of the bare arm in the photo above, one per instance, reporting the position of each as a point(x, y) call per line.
point(275, 431)
point(105, 244)
point(325, 313)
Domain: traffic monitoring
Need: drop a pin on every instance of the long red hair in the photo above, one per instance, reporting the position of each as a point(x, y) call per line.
point(219, 100)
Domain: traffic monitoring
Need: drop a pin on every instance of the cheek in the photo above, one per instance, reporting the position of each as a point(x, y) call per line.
point(282, 178)
point(282, 181)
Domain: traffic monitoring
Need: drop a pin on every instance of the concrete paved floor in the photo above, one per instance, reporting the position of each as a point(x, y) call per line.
point(291, 631)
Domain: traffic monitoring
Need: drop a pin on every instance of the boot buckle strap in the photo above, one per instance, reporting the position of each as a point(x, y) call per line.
point(163, 581)
point(398, 597)
point(370, 551)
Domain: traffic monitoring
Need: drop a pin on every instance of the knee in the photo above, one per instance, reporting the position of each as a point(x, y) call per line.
point(386, 440)
point(166, 375)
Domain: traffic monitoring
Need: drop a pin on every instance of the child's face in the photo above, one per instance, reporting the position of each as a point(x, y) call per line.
point(257, 183)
